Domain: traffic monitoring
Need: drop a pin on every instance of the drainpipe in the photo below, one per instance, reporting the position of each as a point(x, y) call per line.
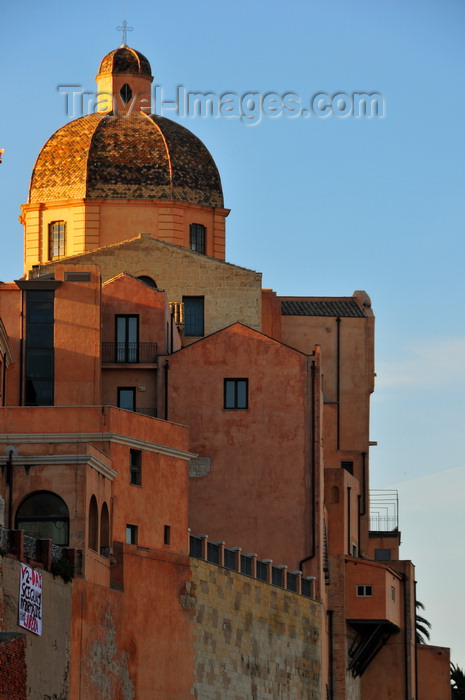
point(349, 488)
point(4, 381)
point(359, 498)
point(9, 481)
point(313, 467)
point(406, 663)
point(364, 482)
point(166, 367)
point(330, 614)
point(338, 380)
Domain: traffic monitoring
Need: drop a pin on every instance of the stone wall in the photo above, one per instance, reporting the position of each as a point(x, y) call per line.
point(253, 640)
point(47, 657)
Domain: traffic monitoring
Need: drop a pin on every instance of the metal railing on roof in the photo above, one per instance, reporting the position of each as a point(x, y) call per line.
point(384, 510)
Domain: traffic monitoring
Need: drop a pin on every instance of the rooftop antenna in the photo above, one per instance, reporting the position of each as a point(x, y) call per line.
point(124, 25)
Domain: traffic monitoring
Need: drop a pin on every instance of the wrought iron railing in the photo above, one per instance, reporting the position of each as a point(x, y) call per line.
point(129, 353)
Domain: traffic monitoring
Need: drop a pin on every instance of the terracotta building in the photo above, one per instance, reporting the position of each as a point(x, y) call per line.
point(196, 446)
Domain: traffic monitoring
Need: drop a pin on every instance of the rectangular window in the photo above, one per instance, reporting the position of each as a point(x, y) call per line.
point(348, 466)
point(39, 348)
point(382, 554)
point(193, 316)
point(132, 534)
point(167, 535)
point(365, 591)
point(127, 397)
point(135, 465)
point(197, 238)
point(56, 239)
point(236, 393)
point(127, 338)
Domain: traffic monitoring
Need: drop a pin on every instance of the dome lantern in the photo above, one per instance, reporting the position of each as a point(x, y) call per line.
point(123, 82)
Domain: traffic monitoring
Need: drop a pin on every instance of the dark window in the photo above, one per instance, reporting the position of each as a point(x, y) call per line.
point(132, 534)
point(127, 338)
point(39, 352)
point(127, 398)
point(197, 238)
point(193, 316)
point(135, 463)
point(382, 554)
point(236, 393)
point(105, 531)
point(126, 93)
point(364, 591)
point(93, 524)
point(348, 466)
point(56, 239)
point(167, 535)
point(44, 515)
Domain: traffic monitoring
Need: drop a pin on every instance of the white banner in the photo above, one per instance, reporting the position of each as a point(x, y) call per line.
point(30, 600)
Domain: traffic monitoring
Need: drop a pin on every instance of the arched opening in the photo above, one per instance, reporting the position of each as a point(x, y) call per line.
point(104, 531)
point(44, 515)
point(93, 524)
point(148, 280)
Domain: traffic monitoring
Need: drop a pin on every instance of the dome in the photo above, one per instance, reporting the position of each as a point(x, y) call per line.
point(125, 60)
point(128, 156)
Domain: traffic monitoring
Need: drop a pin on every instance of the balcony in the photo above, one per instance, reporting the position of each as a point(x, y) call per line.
point(129, 353)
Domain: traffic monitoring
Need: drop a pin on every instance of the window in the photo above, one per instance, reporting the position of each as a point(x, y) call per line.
point(167, 535)
point(132, 534)
point(93, 524)
point(236, 393)
point(193, 316)
point(197, 238)
point(348, 466)
point(56, 239)
point(127, 338)
point(364, 591)
point(135, 465)
point(105, 531)
point(382, 554)
point(39, 377)
point(393, 594)
point(126, 93)
point(127, 397)
point(44, 515)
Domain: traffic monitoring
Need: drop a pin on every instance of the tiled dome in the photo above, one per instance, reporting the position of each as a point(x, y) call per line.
point(131, 156)
point(125, 60)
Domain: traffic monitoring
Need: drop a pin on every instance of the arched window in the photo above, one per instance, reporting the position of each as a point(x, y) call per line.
point(148, 280)
point(197, 238)
point(93, 524)
point(56, 239)
point(104, 531)
point(44, 515)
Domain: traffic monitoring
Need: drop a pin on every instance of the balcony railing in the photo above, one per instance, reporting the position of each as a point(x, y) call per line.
point(129, 353)
point(384, 510)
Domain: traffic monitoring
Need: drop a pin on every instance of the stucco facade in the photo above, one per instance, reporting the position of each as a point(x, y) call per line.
point(156, 404)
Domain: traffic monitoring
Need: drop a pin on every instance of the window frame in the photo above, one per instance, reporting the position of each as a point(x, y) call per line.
point(132, 389)
point(364, 590)
point(198, 238)
point(126, 350)
point(189, 325)
point(132, 534)
point(56, 240)
point(135, 467)
point(235, 383)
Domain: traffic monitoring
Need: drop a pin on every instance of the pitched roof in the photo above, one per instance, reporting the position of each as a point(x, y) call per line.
point(317, 307)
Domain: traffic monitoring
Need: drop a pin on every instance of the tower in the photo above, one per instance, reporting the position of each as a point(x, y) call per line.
point(107, 176)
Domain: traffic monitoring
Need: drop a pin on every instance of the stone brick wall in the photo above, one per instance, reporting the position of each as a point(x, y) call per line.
point(12, 666)
point(232, 293)
point(253, 640)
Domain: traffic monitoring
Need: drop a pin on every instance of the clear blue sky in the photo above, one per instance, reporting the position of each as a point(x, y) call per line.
point(321, 206)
